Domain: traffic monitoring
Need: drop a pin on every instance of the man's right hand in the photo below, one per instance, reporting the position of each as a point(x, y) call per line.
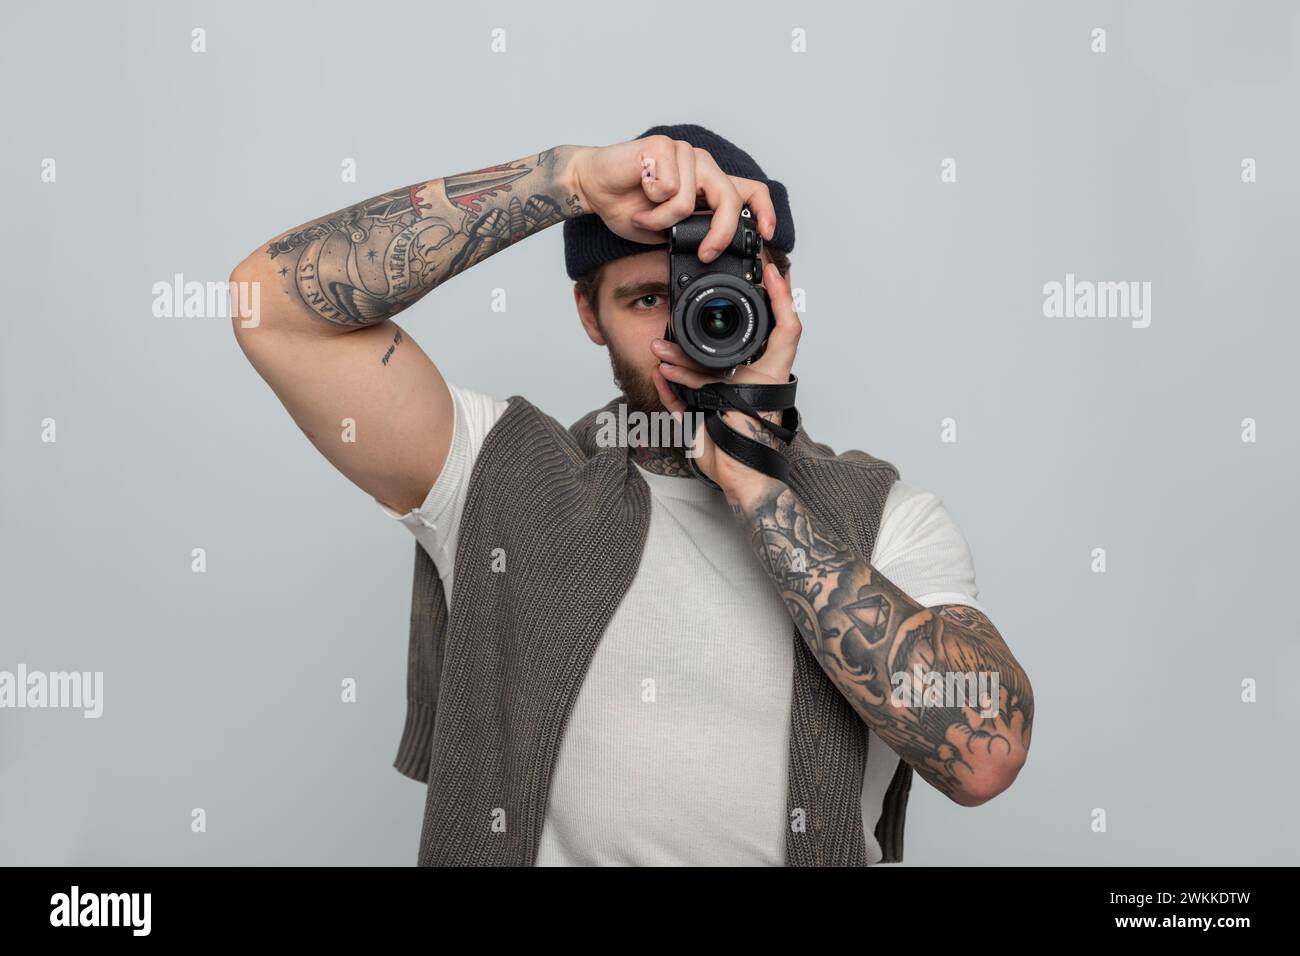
point(644, 186)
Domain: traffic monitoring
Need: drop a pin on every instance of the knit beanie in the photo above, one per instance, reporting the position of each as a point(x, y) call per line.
point(589, 243)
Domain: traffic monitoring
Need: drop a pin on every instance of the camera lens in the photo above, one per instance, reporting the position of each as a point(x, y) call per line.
point(719, 318)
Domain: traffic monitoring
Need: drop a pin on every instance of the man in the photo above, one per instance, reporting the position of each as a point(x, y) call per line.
point(677, 735)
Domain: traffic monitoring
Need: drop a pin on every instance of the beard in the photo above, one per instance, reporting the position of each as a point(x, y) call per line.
point(640, 395)
point(638, 389)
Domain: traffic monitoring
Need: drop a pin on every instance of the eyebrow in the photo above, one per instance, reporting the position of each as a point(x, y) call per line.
point(634, 290)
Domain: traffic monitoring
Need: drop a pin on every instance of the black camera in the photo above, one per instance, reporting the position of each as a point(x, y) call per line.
point(719, 311)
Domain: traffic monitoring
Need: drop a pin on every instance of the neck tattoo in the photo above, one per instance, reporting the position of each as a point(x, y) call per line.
point(663, 461)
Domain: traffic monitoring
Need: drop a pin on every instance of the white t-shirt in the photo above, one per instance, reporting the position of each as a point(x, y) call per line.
point(677, 748)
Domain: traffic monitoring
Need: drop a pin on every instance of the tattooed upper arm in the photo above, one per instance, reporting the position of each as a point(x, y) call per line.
point(371, 400)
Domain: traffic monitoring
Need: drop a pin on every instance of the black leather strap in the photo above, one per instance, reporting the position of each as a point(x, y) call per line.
point(715, 398)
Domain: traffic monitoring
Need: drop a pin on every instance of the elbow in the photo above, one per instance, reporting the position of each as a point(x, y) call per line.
point(246, 270)
point(245, 296)
point(990, 780)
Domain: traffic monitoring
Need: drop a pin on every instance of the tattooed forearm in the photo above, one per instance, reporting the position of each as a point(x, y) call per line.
point(364, 264)
point(880, 647)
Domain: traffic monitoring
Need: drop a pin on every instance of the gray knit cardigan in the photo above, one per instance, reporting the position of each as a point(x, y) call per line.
point(491, 681)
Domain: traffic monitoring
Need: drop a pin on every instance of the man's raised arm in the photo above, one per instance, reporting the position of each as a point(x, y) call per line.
point(324, 338)
point(325, 341)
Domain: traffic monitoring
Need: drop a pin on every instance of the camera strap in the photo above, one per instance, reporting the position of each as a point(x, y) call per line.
point(714, 398)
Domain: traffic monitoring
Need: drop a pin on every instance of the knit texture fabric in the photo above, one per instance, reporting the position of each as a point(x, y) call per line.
point(589, 243)
point(492, 680)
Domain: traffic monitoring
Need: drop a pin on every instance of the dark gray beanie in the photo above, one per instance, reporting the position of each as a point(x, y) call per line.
point(588, 242)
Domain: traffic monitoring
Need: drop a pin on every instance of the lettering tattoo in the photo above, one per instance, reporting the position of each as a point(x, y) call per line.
point(364, 264)
point(397, 340)
point(863, 630)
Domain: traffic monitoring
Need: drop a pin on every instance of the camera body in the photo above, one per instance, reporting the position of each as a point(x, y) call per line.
point(719, 312)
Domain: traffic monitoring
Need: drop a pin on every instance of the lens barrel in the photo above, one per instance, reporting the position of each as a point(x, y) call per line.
point(720, 322)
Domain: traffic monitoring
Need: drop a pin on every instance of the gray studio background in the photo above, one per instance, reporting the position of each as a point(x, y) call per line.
point(924, 302)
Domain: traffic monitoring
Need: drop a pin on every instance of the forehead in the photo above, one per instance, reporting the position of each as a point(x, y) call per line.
point(644, 267)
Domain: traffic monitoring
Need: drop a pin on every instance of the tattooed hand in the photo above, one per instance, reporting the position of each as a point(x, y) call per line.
point(644, 186)
point(736, 479)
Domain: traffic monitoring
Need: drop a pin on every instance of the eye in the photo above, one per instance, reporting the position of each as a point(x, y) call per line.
point(640, 303)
